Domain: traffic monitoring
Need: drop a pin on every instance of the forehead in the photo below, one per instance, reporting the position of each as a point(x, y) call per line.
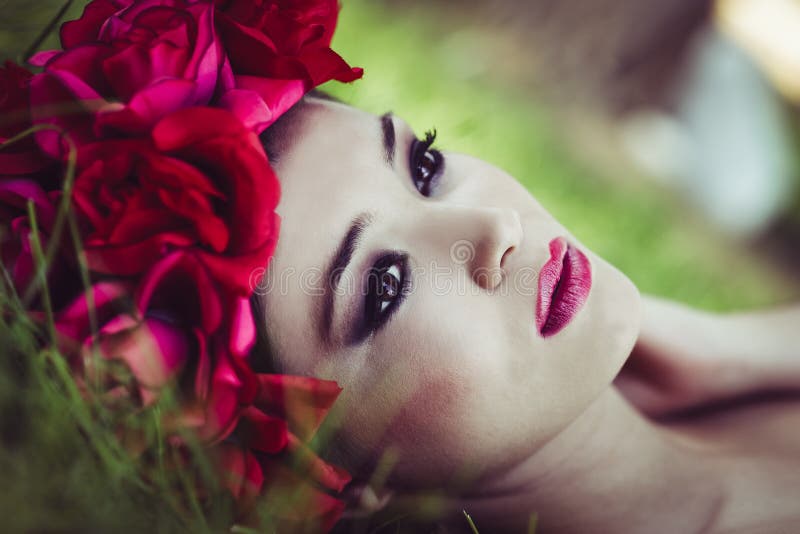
point(328, 173)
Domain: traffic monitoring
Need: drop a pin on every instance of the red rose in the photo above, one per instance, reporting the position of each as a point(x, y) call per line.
point(180, 327)
point(179, 324)
point(153, 349)
point(175, 204)
point(279, 50)
point(87, 28)
point(126, 65)
point(15, 227)
point(202, 180)
point(14, 112)
point(183, 291)
point(23, 157)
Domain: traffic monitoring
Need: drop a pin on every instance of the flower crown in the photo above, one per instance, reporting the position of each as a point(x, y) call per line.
point(136, 201)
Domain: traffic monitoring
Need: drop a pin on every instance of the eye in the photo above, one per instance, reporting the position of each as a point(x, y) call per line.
point(387, 285)
point(426, 164)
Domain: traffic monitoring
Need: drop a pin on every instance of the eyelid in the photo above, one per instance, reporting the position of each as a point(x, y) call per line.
point(409, 139)
point(417, 149)
point(359, 332)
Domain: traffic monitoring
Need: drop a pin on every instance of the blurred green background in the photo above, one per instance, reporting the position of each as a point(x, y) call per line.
point(428, 64)
point(425, 63)
point(437, 64)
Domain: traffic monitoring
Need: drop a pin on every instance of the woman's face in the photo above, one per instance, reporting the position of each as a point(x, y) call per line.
point(429, 320)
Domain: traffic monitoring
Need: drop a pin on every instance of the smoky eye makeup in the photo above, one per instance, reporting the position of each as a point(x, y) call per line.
point(385, 286)
point(385, 283)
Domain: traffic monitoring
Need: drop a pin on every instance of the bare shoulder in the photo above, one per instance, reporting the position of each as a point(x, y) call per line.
point(687, 358)
point(756, 442)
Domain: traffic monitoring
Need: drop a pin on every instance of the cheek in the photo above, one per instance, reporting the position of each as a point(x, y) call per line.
point(413, 399)
point(439, 396)
point(426, 432)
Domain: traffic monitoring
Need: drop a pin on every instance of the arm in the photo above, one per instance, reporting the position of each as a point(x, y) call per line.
point(686, 358)
point(770, 340)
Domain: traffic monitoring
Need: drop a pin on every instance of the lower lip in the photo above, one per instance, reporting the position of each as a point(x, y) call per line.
point(564, 285)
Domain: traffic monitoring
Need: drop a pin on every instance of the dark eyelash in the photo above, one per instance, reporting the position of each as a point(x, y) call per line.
point(421, 149)
point(430, 138)
point(367, 329)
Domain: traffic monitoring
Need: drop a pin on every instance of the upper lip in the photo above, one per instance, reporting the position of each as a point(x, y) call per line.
point(564, 285)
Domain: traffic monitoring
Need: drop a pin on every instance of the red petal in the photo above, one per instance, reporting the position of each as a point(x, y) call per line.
point(262, 432)
point(298, 505)
point(87, 28)
point(312, 466)
point(242, 474)
point(303, 401)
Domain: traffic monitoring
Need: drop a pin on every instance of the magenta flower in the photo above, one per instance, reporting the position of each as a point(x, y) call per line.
point(124, 66)
point(278, 51)
point(15, 227)
point(200, 180)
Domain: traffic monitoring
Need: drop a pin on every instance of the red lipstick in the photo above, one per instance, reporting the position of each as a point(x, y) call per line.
point(564, 285)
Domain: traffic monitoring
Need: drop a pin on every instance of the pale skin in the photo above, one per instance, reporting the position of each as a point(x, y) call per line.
point(461, 389)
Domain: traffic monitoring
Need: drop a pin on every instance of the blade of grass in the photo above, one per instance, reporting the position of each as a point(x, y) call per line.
point(533, 522)
point(83, 269)
point(396, 519)
point(46, 31)
point(107, 448)
point(41, 272)
point(65, 203)
point(471, 523)
point(190, 492)
point(66, 195)
point(9, 283)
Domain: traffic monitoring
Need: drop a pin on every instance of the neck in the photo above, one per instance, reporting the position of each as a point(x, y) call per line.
point(610, 471)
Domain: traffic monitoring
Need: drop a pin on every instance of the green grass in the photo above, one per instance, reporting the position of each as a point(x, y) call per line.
point(63, 468)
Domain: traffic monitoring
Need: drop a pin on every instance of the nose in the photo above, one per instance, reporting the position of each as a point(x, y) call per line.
point(497, 233)
point(480, 238)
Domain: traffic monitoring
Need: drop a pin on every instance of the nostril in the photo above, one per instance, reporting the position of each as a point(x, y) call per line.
point(508, 251)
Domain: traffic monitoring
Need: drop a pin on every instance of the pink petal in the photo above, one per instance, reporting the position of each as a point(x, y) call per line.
point(40, 59)
point(17, 192)
point(73, 321)
point(249, 107)
point(243, 328)
point(162, 98)
point(183, 273)
point(278, 95)
point(153, 350)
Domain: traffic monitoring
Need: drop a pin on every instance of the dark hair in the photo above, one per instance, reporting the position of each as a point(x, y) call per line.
point(276, 140)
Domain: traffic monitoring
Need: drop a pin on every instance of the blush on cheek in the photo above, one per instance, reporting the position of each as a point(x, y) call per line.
point(427, 431)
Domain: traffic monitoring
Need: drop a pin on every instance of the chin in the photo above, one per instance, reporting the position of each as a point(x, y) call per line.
point(601, 337)
point(618, 317)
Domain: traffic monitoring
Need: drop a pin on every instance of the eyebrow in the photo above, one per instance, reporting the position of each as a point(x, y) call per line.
point(389, 137)
point(338, 264)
